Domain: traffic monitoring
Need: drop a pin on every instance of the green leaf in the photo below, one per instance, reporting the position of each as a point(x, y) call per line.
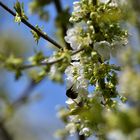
point(37, 59)
point(36, 36)
point(20, 14)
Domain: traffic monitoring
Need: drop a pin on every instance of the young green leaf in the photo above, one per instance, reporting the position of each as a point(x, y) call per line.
point(20, 14)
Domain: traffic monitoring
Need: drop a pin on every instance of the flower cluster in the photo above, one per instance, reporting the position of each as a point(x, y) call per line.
point(97, 30)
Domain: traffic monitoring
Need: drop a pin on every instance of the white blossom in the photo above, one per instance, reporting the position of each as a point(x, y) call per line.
point(74, 118)
point(117, 46)
point(77, 14)
point(75, 39)
point(76, 6)
point(116, 135)
point(71, 128)
point(75, 77)
point(53, 71)
point(103, 48)
point(69, 101)
point(85, 131)
point(113, 3)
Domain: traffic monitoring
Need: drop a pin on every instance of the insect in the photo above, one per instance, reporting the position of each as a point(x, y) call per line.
point(71, 93)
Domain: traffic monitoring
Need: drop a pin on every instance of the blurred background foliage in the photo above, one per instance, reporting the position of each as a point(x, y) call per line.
point(34, 117)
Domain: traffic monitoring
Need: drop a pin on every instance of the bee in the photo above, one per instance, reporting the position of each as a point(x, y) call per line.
point(71, 93)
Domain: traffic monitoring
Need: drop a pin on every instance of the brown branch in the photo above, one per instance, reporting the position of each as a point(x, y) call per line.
point(77, 51)
point(58, 6)
point(63, 27)
point(41, 34)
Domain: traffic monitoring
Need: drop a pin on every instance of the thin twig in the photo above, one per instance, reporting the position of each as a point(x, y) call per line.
point(23, 67)
point(116, 68)
point(41, 34)
point(40, 64)
point(77, 51)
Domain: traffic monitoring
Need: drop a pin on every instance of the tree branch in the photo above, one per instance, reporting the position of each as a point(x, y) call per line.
point(41, 34)
point(58, 6)
point(23, 67)
point(41, 64)
point(63, 27)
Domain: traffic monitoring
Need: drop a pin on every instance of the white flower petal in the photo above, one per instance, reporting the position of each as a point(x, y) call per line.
point(103, 48)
